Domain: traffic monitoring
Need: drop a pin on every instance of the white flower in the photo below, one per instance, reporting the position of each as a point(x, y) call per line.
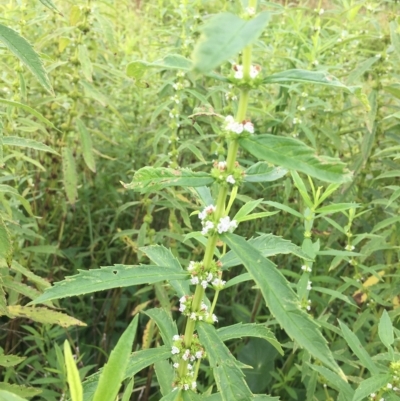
point(203, 306)
point(193, 316)
point(176, 365)
point(389, 385)
point(209, 277)
point(186, 355)
point(238, 71)
point(249, 127)
point(297, 120)
point(186, 386)
point(250, 11)
point(189, 366)
point(182, 307)
point(176, 337)
point(230, 179)
point(200, 317)
point(225, 224)
point(174, 350)
point(235, 127)
point(309, 285)
point(192, 359)
point(194, 385)
point(372, 395)
point(199, 354)
point(204, 284)
point(222, 165)
point(306, 268)
point(194, 280)
point(182, 299)
point(254, 70)
point(191, 266)
point(209, 225)
point(214, 318)
point(218, 283)
point(229, 119)
point(349, 247)
point(206, 211)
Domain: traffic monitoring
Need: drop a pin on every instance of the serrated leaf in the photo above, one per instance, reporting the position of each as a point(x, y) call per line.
point(105, 278)
point(298, 75)
point(10, 360)
point(268, 245)
point(165, 324)
point(29, 110)
point(70, 176)
point(282, 301)
point(7, 396)
point(263, 172)
point(136, 69)
point(6, 247)
point(371, 385)
point(87, 145)
point(385, 329)
point(73, 379)
point(241, 330)
point(228, 376)
point(27, 143)
point(21, 48)
point(223, 37)
point(12, 191)
point(149, 179)
point(355, 345)
point(293, 154)
point(43, 315)
point(40, 282)
point(114, 371)
point(20, 391)
point(86, 64)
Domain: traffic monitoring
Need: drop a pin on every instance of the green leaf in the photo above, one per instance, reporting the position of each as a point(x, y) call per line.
point(20, 391)
point(165, 323)
point(6, 247)
point(337, 207)
point(87, 145)
point(50, 4)
point(39, 281)
point(228, 376)
point(13, 192)
point(355, 345)
point(149, 179)
point(292, 154)
point(105, 278)
point(285, 208)
point(73, 379)
point(114, 371)
point(241, 278)
point(263, 172)
point(247, 208)
point(224, 36)
point(311, 77)
point(241, 330)
point(282, 301)
point(27, 143)
point(24, 51)
point(136, 69)
point(43, 315)
point(29, 110)
point(7, 396)
point(10, 360)
point(360, 69)
point(70, 176)
point(84, 59)
point(173, 396)
point(128, 391)
point(165, 375)
point(371, 385)
point(335, 294)
point(268, 245)
point(162, 256)
point(385, 330)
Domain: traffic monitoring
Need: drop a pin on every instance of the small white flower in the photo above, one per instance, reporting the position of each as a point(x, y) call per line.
point(199, 354)
point(194, 280)
point(297, 121)
point(192, 358)
point(182, 299)
point(176, 337)
point(182, 307)
point(349, 247)
point(209, 225)
point(372, 395)
point(189, 366)
point(194, 385)
point(225, 224)
point(200, 317)
point(254, 71)
point(176, 365)
point(230, 179)
point(191, 266)
point(203, 306)
point(222, 165)
point(309, 285)
point(218, 282)
point(204, 284)
point(321, 11)
point(389, 386)
point(209, 277)
point(186, 386)
point(249, 127)
point(250, 11)
point(193, 315)
point(214, 318)
point(174, 350)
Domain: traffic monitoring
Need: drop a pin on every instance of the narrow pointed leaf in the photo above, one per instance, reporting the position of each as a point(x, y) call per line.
point(229, 378)
point(173, 396)
point(114, 371)
point(224, 36)
point(385, 329)
point(74, 381)
point(21, 48)
point(149, 179)
point(282, 301)
point(371, 385)
point(27, 143)
point(87, 145)
point(165, 324)
point(241, 330)
point(293, 154)
point(70, 176)
point(10, 360)
point(263, 172)
point(165, 375)
point(7, 396)
point(86, 64)
point(105, 278)
point(6, 248)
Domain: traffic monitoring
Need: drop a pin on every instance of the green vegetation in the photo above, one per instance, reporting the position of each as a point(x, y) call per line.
point(199, 200)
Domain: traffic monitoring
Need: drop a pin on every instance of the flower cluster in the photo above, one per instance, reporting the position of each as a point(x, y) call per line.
point(236, 127)
point(202, 276)
point(306, 268)
point(220, 173)
point(210, 225)
point(238, 71)
point(185, 307)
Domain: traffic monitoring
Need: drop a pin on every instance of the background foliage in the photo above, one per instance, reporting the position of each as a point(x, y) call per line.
point(63, 208)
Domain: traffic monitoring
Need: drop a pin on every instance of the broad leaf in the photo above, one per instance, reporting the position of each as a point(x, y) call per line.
point(25, 52)
point(74, 381)
point(228, 376)
point(268, 245)
point(298, 75)
point(114, 371)
point(7, 396)
point(149, 179)
point(10, 360)
point(293, 154)
point(282, 301)
point(241, 330)
point(20, 391)
point(105, 278)
point(371, 385)
point(165, 324)
point(43, 315)
point(165, 375)
point(223, 37)
point(263, 172)
point(27, 143)
point(385, 329)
